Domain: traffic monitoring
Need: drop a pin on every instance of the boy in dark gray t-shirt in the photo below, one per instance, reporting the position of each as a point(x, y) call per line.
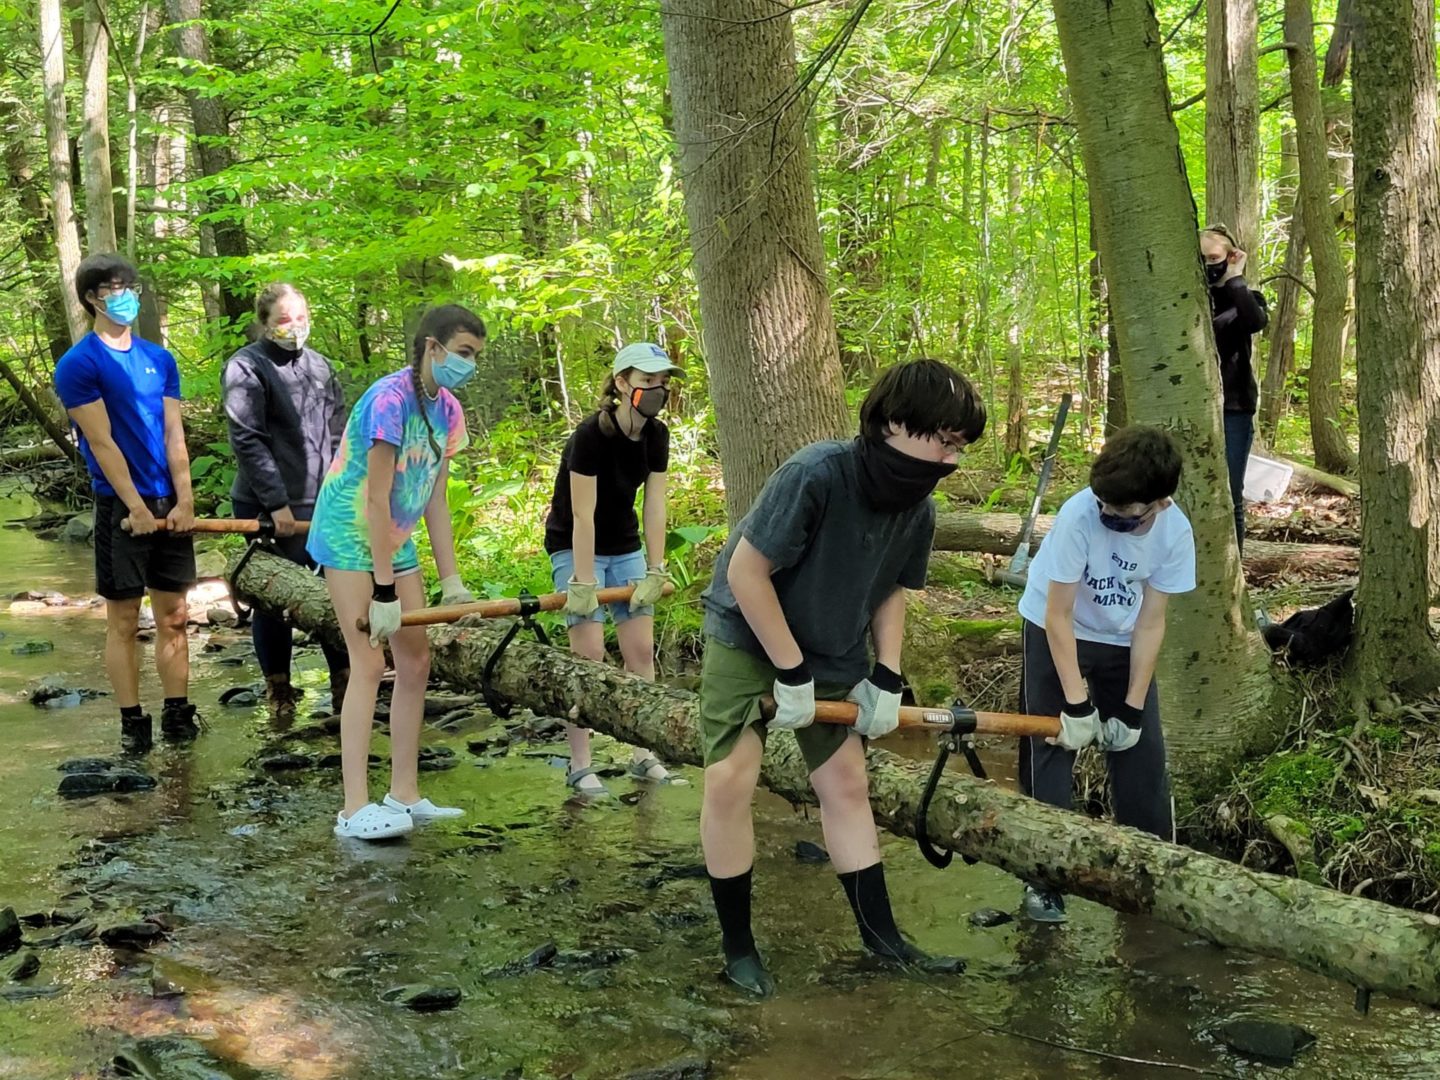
point(812, 579)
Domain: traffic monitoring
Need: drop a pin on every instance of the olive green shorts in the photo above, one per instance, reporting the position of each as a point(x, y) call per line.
point(732, 682)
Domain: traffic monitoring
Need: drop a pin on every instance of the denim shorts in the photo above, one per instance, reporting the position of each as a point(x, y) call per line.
point(611, 571)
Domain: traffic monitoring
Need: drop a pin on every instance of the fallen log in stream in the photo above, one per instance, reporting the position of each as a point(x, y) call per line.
point(1369, 945)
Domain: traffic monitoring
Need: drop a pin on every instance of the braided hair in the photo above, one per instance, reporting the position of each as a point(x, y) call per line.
point(441, 323)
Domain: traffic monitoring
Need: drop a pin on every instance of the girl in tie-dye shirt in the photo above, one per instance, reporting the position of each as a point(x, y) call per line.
point(392, 469)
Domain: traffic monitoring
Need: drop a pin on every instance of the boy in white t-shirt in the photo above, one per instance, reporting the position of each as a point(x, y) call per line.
point(1094, 611)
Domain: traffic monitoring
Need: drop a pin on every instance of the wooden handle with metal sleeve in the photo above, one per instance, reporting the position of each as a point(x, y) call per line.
point(240, 526)
point(941, 720)
point(498, 609)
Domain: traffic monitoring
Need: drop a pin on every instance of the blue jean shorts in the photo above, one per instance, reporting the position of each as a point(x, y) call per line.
point(611, 572)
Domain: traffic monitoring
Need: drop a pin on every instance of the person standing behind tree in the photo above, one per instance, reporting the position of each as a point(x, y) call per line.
point(1237, 315)
point(286, 417)
point(392, 468)
point(123, 394)
point(593, 536)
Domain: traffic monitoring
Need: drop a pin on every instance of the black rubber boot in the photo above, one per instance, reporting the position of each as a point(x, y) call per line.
point(136, 734)
point(870, 901)
point(178, 723)
point(748, 972)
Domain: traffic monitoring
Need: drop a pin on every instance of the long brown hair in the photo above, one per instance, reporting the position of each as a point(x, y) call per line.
point(441, 323)
point(609, 402)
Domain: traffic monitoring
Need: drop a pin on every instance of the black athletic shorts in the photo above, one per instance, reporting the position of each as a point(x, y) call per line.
point(125, 565)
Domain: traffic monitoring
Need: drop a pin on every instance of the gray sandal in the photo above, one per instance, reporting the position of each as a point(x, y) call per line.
point(640, 770)
point(573, 780)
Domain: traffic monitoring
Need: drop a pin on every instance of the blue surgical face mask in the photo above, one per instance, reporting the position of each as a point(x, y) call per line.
point(453, 372)
point(122, 307)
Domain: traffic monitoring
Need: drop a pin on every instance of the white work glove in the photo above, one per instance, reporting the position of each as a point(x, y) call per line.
point(384, 614)
point(649, 588)
point(580, 598)
point(453, 591)
point(1121, 731)
point(794, 693)
point(879, 701)
point(1079, 724)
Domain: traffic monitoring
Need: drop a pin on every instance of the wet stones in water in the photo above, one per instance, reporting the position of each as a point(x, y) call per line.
point(674, 872)
point(334, 761)
point(286, 761)
point(140, 935)
point(423, 998)
point(240, 697)
point(807, 852)
point(1267, 1040)
point(989, 916)
point(9, 930)
point(78, 529)
point(440, 704)
point(33, 647)
point(56, 917)
point(690, 1068)
point(221, 616)
point(162, 986)
point(309, 733)
point(585, 959)
point(437, 758)
point(51, 693)
point(537, 958)
point(173, 1057)
point(97, 776)
point(489, 743)
point(77, 934)
point(679, 920)
point(21, 966)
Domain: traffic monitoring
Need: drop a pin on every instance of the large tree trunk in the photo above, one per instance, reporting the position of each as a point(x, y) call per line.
point(1232, 118)
point(1280, 356)
point(1357, 941)
point(1398, 336)
point(998, 534)
point(1016, 433)
point(1215, 684)
point(745, 165)
point(95, 135)
point(209, 117)
point(1327, 340)
point(57, 136)
point(37, 236)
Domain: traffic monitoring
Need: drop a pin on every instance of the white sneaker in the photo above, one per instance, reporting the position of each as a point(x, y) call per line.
point(372, 822)
point(422, 811)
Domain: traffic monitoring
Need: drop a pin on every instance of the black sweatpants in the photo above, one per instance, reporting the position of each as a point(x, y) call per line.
point(1139, 783)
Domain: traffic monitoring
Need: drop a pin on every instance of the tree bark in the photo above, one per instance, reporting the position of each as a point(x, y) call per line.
point(1232, 118)
point(209, 117)
point(1358, 941)
point(1398, 335)
point(1327, 335)
point(39, 413)
point(1097, 356)
point(1280, 356)
point(57, 137)
point(998, 534)
point(1216, 684)
point(95, 136)
point(745, 165)
point(1015, 418)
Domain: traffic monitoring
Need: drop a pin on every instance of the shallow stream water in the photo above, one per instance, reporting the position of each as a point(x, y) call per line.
point(286, 939)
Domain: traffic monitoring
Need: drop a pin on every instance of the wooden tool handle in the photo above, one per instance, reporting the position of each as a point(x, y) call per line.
point(495, 609)
point(222, 525)
point(913, 718)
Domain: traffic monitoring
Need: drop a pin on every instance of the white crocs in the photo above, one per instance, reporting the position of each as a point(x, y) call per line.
point(372, 822)
point(422, 811)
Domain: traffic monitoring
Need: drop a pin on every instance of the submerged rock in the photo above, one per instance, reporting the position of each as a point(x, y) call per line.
point(423, 998)
point(85, 764)
point(51, 693)
point(989, 916)
point(78, 529)
point(605, 956)
point(75, 934)
point(436, 758)
point(808, 852)
point(285, 761)
point(23, 965)
point(221, 616)
point(1269, 1040)
point(140, 935)
point(115, 779)
point(174, 1057)
point(674, 872)
point(689, 1068)
point(33, 647)
point(9, 930)
point(539, 957)
point(240, 697)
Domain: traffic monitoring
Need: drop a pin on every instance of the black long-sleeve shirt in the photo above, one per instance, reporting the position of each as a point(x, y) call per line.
point(1237, 312)
point(286, 418)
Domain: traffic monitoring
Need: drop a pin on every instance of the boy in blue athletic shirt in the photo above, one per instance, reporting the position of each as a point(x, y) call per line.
point(123, 395)
point(1094, 617)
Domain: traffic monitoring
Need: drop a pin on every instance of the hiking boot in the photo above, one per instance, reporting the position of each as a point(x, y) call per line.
point(136, 734)
point(1042, 905)
point(749, 974)
point(282, 696)
point(178, 723)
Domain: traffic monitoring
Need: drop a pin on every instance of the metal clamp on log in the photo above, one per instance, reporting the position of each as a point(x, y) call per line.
point(959, 740)
point(262, 538)
point(529, 608)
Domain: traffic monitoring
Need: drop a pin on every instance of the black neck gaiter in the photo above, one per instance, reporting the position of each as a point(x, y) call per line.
point(893, 481)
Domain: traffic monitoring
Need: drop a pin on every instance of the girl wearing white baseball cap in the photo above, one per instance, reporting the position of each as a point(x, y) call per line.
point(593, 535)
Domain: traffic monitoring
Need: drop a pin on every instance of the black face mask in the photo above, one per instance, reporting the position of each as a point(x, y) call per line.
point(893, 481)
point(1215, 271)
point(650, 400)
point(1119, 523)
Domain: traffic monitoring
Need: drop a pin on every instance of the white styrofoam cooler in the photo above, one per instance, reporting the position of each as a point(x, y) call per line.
point(1266, 480)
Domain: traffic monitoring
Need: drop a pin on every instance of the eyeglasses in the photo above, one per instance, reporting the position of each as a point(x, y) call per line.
point(116, 287)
